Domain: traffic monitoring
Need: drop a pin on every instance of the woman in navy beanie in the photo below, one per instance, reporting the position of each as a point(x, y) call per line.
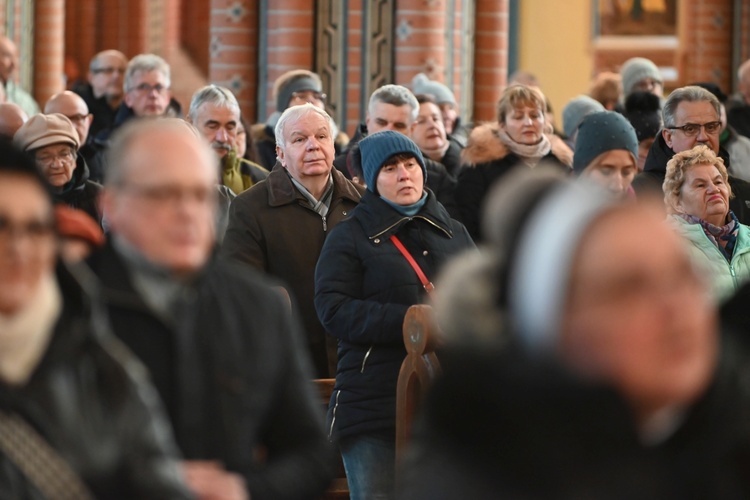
point(607, 152)
point(364, 285)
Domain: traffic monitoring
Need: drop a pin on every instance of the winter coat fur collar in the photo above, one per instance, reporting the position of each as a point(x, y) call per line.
point(485, 145)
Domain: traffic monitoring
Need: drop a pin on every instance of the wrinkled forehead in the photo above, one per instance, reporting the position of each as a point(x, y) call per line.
point(210, 111)
point(306, 124)
point(168, 156)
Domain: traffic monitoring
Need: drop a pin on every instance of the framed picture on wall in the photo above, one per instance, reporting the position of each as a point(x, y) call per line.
point(636, 17)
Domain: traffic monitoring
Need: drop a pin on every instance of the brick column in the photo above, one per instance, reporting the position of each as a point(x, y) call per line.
point(490, 57)
point(289, 41)
point(420, 39)
point(707, 41)
point(49, 44)
point(80, 32)
point(234, 50)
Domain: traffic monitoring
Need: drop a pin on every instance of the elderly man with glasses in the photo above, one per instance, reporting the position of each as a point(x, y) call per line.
point(103, 92)
point(691, 116)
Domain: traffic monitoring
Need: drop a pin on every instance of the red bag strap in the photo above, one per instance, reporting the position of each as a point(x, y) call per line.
point(427, 284)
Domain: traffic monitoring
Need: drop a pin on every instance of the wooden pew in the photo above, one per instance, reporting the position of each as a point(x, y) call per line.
point(419, 369)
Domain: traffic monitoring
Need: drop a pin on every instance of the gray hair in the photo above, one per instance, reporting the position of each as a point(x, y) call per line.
point(690, 93)
point(396, 95)
point(145, 63)
point(123, 139)
point(296, 112)
point(221, 97)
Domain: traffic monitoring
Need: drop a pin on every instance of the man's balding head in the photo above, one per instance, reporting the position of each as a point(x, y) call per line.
point(11, 119)
point(74, 107)
point(106, 73)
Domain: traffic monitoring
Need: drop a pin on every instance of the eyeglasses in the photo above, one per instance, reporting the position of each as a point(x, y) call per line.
point(693, 129)
point(172, 195)
point(108, 70)
point(47, 159)
point(35, 231)
point(145, 88)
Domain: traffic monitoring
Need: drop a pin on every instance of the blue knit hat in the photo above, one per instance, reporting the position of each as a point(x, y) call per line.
point(377, 148)
point(602, 132)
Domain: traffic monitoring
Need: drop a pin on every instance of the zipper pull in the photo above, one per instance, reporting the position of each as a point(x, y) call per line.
point(325, 223)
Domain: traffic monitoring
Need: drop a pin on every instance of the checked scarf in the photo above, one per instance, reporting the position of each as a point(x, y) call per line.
point(727, 232)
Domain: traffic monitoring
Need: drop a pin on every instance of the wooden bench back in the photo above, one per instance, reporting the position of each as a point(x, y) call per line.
point(418, 371)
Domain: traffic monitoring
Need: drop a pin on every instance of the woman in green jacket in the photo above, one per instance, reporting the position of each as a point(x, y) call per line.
point(697, 195)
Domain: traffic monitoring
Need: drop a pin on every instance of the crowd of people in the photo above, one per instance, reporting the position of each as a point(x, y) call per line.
point(173, 281)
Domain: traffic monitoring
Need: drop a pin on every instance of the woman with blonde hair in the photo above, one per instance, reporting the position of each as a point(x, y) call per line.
point(697, 192)
point(520, 137)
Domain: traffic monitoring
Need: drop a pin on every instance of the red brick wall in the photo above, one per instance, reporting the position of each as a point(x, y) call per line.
point(49, 48)
point(194, 31)
point(490, 57)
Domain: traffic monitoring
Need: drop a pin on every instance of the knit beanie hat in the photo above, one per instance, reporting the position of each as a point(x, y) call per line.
point(643, 111)
point(636, 69)
point(377, 148)
point(421, 84)
point(602, 132)
point(295, 81)
point(576, 109)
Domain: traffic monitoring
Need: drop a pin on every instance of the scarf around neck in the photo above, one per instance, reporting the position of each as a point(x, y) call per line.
point(529, 153)
point(408, 210)
point(727, 232)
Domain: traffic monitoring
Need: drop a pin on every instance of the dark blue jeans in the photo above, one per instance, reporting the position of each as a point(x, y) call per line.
point(370, 463)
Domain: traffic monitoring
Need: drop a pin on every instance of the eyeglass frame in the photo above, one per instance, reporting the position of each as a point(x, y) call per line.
point(145, 88)
point(108, 70)
point(36, 231)
point(46, 162)
point(704, 126)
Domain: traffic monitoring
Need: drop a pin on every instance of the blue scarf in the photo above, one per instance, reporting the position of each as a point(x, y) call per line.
point(727, 233)
point(408, 210)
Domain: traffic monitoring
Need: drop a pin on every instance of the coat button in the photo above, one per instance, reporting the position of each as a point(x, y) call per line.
point(425, 253)
point(377, 240)
point(344, 212)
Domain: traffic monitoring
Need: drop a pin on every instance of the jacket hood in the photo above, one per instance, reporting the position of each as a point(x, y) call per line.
point(485, 145)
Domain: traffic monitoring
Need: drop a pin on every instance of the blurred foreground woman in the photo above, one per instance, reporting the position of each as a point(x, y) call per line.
point(77, 417)
point(583, 367)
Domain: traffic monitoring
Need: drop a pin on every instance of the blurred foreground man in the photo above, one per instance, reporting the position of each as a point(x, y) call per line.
point(78, 418)
point(222, 348)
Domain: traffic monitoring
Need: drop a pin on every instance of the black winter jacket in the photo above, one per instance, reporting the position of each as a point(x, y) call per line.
point(655, 170)
point(90, 399)
point(363, 288)
point(499, 424)
point(80, 192)
point(232, 375)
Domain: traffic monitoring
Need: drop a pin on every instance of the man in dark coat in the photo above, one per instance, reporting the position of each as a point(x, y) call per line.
point(221, 345)
point(691, 117)
point(103, 93)
point(63, 377)
point(279, 226)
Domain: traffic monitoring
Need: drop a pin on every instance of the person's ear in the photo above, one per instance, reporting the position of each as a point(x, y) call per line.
point(280, 156)
point(667, 135)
